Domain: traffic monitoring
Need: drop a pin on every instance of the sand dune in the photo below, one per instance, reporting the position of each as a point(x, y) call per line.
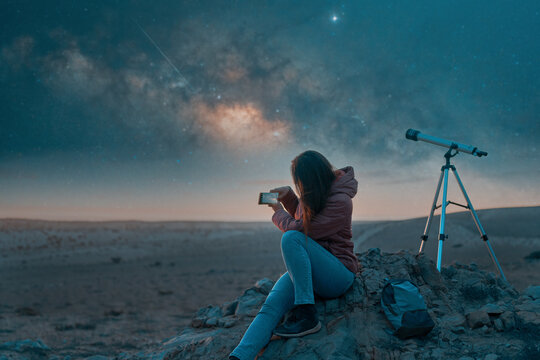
point(513, 233)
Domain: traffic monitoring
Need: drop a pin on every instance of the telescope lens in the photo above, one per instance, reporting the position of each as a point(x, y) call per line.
point(412, 134)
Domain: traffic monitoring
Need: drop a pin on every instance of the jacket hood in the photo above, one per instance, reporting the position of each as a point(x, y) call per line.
point(345, 182)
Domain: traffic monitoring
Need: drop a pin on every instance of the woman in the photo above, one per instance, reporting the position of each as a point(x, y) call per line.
point(316, 247)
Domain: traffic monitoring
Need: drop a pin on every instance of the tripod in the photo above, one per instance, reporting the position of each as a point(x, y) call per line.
point(444, 204)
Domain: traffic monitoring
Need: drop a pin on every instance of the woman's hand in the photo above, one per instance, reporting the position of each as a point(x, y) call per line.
point(276, 207)
point(282, 191)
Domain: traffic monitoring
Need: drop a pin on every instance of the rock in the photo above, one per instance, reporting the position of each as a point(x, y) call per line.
point(498, 325)
point(189, 342)
point(227, 321)
point(27, 311)
point(211, 322)
point(535, 255)
point(372, 281)
point(474, 289)
point(407, 356)
point(332, 306)
point(113, 312)
point(449, 271)
point(207, 317)
point(533, 292)
point(250, 303)
point(355, 295)
point(528, 313)
point(374, 253)
point(458, 330)
point(229, 308)
point(454, 320)
point(429, 272)
point(290, 346)
point(73, 326)
point(477, 319)
point(198, 322)
point(491, 357)
point(25, 346)
point(214, 311)
point(492, 309)
point(264, 286)
point(508, 320)
point(528, 319)
point(437, 354)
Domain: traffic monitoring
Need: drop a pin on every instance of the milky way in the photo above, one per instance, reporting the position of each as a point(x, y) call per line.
point(186, 110)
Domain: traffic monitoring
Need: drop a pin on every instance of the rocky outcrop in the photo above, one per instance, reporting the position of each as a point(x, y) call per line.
point(477, 316)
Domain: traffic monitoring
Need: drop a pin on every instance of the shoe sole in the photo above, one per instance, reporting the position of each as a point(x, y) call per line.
point(307, 332)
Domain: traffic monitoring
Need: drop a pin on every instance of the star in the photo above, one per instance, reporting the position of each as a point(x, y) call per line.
point(334, 18)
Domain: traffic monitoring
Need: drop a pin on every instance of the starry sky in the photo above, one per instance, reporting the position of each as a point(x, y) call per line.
point(186, 110)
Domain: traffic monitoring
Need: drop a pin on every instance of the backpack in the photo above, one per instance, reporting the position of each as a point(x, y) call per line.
point(405, 308)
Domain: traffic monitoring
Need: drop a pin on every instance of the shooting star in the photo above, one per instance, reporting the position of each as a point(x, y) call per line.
point(182, 77)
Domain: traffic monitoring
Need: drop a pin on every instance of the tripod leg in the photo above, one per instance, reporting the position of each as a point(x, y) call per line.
point(442, 236)
point(430, 217)
point(478, 224)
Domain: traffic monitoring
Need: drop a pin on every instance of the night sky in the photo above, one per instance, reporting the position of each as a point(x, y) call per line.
point(186, 110)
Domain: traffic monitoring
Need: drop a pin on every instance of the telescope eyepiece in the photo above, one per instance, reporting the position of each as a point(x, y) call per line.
point(480, 153)
point(412, 134)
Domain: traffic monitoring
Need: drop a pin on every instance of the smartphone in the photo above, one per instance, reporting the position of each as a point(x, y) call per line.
point(268, 198)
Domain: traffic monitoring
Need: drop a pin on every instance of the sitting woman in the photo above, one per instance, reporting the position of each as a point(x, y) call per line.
point(316, 247)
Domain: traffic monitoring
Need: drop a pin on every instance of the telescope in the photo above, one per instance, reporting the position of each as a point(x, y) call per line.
point(416, 135)
point(453, 149)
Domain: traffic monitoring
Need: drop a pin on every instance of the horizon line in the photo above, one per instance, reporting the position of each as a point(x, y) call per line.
point(241, 221)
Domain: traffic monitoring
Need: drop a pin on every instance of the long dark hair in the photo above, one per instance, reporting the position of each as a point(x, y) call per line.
point(313, 175)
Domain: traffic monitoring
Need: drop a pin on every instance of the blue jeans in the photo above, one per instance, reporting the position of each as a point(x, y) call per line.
point(310, 269)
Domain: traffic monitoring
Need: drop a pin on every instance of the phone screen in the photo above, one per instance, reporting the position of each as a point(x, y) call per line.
point(268, 198)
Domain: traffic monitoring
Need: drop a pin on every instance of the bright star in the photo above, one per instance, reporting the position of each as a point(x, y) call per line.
point(334, 18)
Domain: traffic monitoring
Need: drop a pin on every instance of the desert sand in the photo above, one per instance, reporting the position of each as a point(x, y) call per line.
point(87, 288)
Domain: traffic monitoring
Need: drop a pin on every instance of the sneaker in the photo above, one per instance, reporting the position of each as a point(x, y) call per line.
point(302, 320)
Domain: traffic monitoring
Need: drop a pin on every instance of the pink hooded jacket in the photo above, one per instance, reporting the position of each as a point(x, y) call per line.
point(331, 227)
